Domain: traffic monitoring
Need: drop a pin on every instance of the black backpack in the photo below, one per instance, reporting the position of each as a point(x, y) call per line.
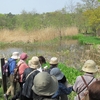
point(6, 70)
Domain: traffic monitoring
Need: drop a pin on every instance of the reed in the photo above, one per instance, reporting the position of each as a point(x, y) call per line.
point(35, 35)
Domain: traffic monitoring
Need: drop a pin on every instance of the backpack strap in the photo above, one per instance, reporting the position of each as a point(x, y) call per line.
point(85, 86)
point(85, 82)
point(30, 74)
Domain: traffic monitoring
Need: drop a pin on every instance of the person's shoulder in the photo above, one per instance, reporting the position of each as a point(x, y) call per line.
point(27, 70)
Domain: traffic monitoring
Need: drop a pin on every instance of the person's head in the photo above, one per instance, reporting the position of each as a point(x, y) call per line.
point(15, 55)
point(94, 91)
point(57, 73)
point(42, 60)
point(45, 84)
point(23, 56)
point(34, 62)
point(89, 67)
point(53, 61)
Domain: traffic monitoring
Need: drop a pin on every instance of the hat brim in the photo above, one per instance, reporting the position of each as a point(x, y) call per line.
point(59, 77)
point(53, 63)
point(34, 66)
point(89, 70)
point(15, 57)
point(50, 90)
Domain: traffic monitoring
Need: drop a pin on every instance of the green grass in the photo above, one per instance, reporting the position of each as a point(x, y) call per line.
point(85, 39)
point(1, 93)
point(80, 37)
point(89, 40)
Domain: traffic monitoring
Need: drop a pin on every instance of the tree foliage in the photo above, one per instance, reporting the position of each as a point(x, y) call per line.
point(93, 18)
point(85, 16)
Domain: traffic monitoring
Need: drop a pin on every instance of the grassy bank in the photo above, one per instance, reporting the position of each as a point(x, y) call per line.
point(84, 39)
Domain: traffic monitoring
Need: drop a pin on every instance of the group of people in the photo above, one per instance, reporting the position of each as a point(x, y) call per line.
point(40, 82)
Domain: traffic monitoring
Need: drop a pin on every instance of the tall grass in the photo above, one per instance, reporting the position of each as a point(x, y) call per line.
point(35, 35)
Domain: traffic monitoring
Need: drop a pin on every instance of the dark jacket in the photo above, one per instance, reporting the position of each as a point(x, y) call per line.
point(49, 69)
point(62, 89)
point(28, 83)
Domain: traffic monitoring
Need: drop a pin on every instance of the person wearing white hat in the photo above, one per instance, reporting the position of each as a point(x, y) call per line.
point(45, 85)
point(21, 66)
point(12, 64)
point(53, 63)
point(79, 86)
point(28, 76)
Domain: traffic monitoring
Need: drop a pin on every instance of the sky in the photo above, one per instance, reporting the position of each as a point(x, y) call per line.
point(39, 6)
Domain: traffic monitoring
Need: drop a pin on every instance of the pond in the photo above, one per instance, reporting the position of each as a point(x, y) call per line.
point(68, 52)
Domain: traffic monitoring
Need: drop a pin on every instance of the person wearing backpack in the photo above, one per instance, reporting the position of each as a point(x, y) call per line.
point(21, 66)
point(12, 65)
point(45, 85)
point(82, 82)
point(28, 76)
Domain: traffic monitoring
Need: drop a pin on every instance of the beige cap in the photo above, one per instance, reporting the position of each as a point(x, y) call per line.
point(89, 66)
point(15, 55)
point(54, 60)
point(34, 62)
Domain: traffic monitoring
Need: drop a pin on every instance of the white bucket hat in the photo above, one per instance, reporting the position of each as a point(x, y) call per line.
point(34, 62)
point(15, 55)
point(57, 73)
point(89, 66)
point(45, 84)
point(54, 60)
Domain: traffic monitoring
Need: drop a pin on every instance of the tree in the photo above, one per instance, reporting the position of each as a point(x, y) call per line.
point(91, 4)
point(93, 19)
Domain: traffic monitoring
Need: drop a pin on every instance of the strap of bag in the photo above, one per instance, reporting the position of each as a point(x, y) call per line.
point(19, 65)
point(30, 74)
point(84, 87)
point(85, 83)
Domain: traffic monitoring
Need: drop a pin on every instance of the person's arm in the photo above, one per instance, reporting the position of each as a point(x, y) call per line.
point(65, 90)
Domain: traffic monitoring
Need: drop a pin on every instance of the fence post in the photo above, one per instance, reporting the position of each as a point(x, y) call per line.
point(4, 81)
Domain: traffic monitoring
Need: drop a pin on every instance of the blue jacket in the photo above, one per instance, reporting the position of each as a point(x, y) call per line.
point(62, 89)
point(12, 65)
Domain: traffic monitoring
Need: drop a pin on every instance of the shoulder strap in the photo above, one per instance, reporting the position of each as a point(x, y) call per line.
point(19, 65)
point(30, 74)
point(85, 81)
point(85, 86)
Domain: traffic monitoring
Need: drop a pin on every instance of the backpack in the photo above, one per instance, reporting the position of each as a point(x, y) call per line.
point(86, 96)
point(16, 75)
point(6, 71)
